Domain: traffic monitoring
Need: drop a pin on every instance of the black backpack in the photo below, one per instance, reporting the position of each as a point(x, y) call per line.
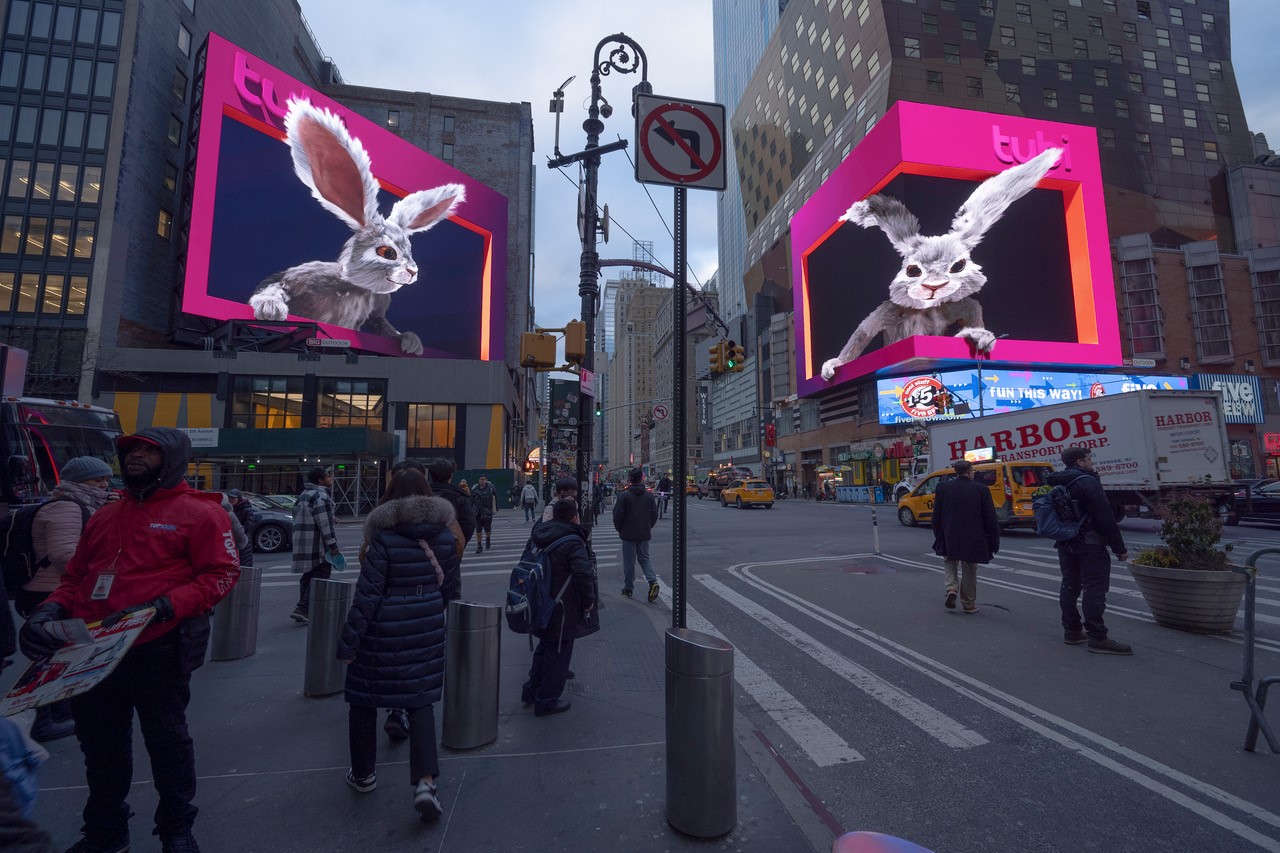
point(19, 560)
point(1058, 515)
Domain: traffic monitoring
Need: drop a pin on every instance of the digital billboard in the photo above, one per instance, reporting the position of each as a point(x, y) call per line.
point(957, 394)
point(952, 235)
point(305, 210)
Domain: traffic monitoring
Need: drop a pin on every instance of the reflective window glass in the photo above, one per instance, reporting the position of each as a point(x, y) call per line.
point(6, 292)
point(41, 20)
point(77, 294)
point(6, 121)
point(11, 237)
point(50, 125)
point(104, 77)
point(42, 189)
point(10, 68)
point(53, 286)
point(91, 185)
point(85, 229)
point(80, 76)
point(65, 24)
point(19, 179)
point(60, 238)
point(37, 228)
point(73, 130)
point(110, 29)
point(19, 10)
point(26, 131)
point(97, 132)
point(67, 177)
point(57, 82)
point(88, 30)
point(28, 291)
point(33, 79)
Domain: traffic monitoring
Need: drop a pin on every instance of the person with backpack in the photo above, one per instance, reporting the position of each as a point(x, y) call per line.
point(1083, 559)
point(529, 500)
point(965, 533)
point(393, 641)
point(55, 533)
point(634, 514)
point(574, 588)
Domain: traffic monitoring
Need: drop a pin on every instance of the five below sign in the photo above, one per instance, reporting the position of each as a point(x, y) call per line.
point(681, 142)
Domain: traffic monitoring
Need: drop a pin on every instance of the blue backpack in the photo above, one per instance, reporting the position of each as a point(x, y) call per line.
point(529, 600)
point(1058, 515)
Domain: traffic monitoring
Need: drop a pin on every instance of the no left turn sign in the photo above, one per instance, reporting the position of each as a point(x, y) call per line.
point(660, 412)
point(681, 142)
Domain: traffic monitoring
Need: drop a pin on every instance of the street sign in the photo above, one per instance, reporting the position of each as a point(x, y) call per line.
point(681, 142)
point(660, 412)
point(587, 382)
point(328, 343)
point(201, 436)
point(1139, 362)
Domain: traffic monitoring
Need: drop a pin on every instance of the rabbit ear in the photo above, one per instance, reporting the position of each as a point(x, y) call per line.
point(419, 211)
point(996, 193)
point(332, 163)
point(892, 217)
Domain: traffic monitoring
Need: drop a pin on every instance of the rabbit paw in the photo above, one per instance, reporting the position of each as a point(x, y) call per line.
point(270, 304)
point(829, 368)
point(981, 339)
point(410, 343)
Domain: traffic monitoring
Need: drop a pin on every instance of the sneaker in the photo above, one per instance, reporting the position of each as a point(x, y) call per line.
point(1108, 646)
point(479, 548)
point(46, 729)
point(182, 843)
point(299, 615)
point(397, 727)
point(559, 706)
point(653, 591)
point(950, 602)
point(971, 608)
point(426, 799)
point(1074, 638)
point(88, 845)
point(627, 593)
point(365, 784)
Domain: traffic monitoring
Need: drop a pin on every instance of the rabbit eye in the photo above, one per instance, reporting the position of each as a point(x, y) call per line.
point(914, 271)
point(958, 266)
point(386, 252)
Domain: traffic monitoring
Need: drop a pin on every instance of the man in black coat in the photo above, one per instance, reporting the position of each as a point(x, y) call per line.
point(1085, 566)
point(634, 514)
point(575, 614)
point(965, 533)
point(441, 472)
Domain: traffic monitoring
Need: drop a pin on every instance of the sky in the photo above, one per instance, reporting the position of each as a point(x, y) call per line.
point(515, 50)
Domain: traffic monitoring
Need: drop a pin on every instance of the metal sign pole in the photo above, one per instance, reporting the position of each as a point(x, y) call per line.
point(680, 442)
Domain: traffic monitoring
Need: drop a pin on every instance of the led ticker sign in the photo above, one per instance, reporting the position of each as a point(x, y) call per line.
point(954, 394)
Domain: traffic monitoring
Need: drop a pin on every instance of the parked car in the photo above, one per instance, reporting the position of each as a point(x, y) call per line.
point(1259, 503)
point(286, 501)
point(274, 529)
point(747, 493)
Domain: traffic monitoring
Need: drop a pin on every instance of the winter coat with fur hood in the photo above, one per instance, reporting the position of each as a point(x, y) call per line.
point(394, 635)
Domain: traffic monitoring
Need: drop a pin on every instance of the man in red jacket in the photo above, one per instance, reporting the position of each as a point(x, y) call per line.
point(163, 545)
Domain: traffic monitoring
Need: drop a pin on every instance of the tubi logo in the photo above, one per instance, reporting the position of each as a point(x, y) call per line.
point(1011, 150)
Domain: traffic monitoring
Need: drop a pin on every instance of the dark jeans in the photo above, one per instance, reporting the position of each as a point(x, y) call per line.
point(362, 730)
point(151, 681)
point(484, 525)
point(549, 671)
point(322, 571)
point(1086, 567)
point(529, 514)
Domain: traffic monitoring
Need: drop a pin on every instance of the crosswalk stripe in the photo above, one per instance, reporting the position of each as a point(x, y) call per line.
point(930, 720)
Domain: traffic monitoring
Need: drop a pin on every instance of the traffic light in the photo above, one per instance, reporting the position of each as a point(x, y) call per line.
point(537, 349)
point(736, 358)
point(575, 342)
point(599, 409)
point(770, 435)
point(717, 357)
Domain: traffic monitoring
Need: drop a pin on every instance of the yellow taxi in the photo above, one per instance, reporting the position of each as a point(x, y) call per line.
point(747, 493)
point(1011, 485)
point(692, 488)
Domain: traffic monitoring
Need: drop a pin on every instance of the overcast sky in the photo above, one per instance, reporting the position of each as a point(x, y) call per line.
point(509, 50)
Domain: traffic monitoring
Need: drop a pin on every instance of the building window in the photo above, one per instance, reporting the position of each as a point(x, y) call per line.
point(1162, 37)
point(1095, 26)
point(97, 132)
point(52, 302)
point(933, 81)
point(1211, 151)
point(179, 85)
point(873, 63)
point(1177, 146)
point(1029, 66)
point(433, 426)
point(1144, 9)
point(1224, 123)
point(266, 402)
point(1086, 102)
point(1175, 16)
point(1144, 142)
point(969, 30)
point(911, 47)
point(87, 33)
point(1266, 302)
point(85, 229)
point(91, 185)
point(930, 23)
point(1122, 108)
point(111, 30)
point(1207, 20)
point(1012, 93)
point(1215, 70)
point(1106, 137)
point(28, 293)
point(37, 234)
point(104, 76)
point(1197, 43)
point(80, 70)
point(65, 24)
point(952, 53)
point(1064, 71)
point(446, 152)
point(1023, 12)
point(1202, 93)
point(393, 119)
point(60, 238)
point(1157, 113)
point(170, 177)
point(164, 224)
point(78, 294)
point(1209, 318)
point(1135, 82)
point(1044, 42)
point(1081, 48)
point(991, 59)
point(1116, 53)
point(33, 79)
point(1101, 77)
point(42, 187)
point(1059, 19)
point(19, 179)
point(175, 130)
point(987, 8)
point(358, 403)
point(1149, 59)
point(1183, 64)
point(11, 238)
point(1051, 98)
point(974, 86)
point(1170, 87)
point(1007, 38)
point(184, 40)
point(73, 130)
point(1142, 307)
point(1189, 118)
point(1130, 32)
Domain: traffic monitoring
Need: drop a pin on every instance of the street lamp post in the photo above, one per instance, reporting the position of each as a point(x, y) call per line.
point(625, 57)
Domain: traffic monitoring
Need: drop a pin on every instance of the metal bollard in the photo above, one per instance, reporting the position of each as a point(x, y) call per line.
point(702, 785)
point(471, 670)
point(330, 601)
point(235, 618)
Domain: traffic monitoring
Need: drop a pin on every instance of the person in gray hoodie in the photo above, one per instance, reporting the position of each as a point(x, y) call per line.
point(634, 514)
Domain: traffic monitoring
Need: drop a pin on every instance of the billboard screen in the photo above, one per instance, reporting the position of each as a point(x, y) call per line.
point(316, 213)
point(924, 250)
point(959, 394)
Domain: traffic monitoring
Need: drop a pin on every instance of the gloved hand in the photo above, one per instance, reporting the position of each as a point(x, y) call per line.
point(164, 611)
point(36, 642)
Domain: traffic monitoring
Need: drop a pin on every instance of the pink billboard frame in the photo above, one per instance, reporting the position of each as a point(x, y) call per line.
point(240, 85)
point(975, 146)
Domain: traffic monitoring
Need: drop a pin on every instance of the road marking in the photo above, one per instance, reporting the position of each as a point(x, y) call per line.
point(927, 718)
point(948, 677)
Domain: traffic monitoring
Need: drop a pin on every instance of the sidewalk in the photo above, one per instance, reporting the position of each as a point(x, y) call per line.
point(272, 762)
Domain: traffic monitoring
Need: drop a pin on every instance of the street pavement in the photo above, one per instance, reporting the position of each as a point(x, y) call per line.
point(861, 704)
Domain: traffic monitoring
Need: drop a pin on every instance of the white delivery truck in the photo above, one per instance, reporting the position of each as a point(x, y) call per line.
point(1146, 444)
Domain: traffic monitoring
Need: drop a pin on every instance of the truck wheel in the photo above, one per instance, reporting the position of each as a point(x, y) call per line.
point(906, 518)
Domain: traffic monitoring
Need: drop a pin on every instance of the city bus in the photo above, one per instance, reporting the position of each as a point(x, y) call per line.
point(37, 437)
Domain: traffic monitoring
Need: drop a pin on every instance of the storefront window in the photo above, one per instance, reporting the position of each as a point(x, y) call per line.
point(267, 402)
point(352, 403)
point(433, 426)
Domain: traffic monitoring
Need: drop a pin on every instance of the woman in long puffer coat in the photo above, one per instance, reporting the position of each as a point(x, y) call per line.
point(393, 640)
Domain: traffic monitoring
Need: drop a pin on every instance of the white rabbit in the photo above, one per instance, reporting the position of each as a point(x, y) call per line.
point(932, 291)
point(377, 260)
